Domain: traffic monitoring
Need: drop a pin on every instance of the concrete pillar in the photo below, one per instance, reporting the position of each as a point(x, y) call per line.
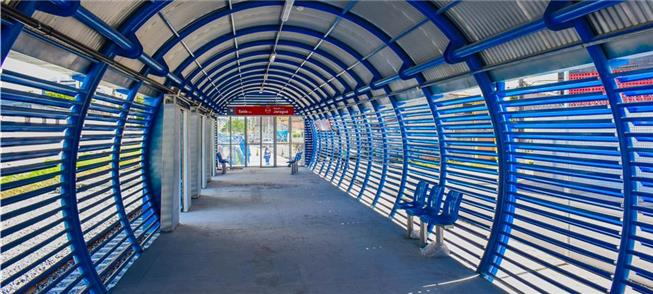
point(194, 142)
point(213, 146)
point(170, 164)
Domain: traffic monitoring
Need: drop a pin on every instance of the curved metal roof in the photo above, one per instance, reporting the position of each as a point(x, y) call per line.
point(325, 50)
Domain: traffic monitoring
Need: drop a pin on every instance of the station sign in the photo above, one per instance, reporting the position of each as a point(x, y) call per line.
point(263, 110)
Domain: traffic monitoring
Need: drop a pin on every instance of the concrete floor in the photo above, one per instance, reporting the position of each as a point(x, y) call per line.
point(264, 231)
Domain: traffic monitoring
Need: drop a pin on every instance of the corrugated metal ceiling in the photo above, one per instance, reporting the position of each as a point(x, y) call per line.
point(478, 20)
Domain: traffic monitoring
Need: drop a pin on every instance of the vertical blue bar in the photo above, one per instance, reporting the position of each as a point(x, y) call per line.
point(68, 177)
point(115, 167)
point(404, 142)
point(10, 32)
point(346, 159)
point(384, 136)
point(610, 86)
point(368, 170)
point(358, 148)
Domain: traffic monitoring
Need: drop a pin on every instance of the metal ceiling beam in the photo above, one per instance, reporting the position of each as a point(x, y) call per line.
point(287, 56)
point(222, 54)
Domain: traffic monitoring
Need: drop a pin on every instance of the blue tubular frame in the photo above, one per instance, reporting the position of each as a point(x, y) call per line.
point(442, 177)
point(358, 148)
point(628, 228)
point(368, 168)
point(404, 168)
point(69, 177)
point(331, 141)
point(319, 87)
point(115, 168)
point(384, 171)
point(500, 229)
point(10, 32)
point(346, 159)
point(341, 130)
point(218, 56)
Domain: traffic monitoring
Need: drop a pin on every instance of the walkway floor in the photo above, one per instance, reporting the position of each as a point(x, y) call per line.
point(264, 231)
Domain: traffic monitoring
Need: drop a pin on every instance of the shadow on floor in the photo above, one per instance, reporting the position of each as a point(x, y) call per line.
point(265, 231)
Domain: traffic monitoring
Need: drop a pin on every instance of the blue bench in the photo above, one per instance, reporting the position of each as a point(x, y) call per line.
point(294, 163)
point(222, 162)
point(432, 211)
point(440, 214)
point(415, 206)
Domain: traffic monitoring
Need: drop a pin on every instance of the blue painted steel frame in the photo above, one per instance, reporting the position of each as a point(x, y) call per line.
point(347, 134)
point(384, 171)
point(442, 177)
point(341, 129)
point(69, 177)
point(10, 32)
point(404, 142)
point(115, 167)
point(357, 133)
point(500, 229)
point(368, 131)
point(629, 218)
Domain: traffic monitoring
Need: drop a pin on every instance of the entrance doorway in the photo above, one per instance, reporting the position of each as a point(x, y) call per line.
point(259, 141)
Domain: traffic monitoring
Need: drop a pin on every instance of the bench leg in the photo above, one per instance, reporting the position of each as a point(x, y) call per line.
point(422, 234)
point(442, 249)
point(409, 227)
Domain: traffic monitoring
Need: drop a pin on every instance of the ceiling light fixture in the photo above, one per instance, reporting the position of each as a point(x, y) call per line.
point(286, 10)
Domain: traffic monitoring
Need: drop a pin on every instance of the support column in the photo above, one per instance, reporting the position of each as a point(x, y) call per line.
point(194, 153)
point(171, 165)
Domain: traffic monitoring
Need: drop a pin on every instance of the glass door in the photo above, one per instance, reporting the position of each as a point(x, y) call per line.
point(238, 142)
point(224, 139)
point(254, 141)
point(282, 140)
point(297, 138)
point(267, 140)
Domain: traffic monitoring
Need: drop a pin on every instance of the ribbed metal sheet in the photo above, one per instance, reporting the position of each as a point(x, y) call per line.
point(112, 12)
point(153, 34)
point(310, 18)
point(386, 62)
point(532, 44)
point(72, 28)
point(481, 19)
point(356, 37)
point(622, 16)
point(393, 17)
point(445, 70)
point(182, 13)
point(432, 43)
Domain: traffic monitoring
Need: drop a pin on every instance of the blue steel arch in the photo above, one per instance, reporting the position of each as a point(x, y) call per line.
point(628, 228)
point(282, 63)
point(306, 81)
point(219, 68)
point(235, 92)
point(273, 71)
point(314, 5)
point(280, 82)
point(210, 60)
point(460, 49)
point(491, 256)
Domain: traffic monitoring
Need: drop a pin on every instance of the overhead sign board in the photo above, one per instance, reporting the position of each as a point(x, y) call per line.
point(263, 110)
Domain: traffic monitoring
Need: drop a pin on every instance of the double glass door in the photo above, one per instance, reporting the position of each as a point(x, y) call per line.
point(260, 141)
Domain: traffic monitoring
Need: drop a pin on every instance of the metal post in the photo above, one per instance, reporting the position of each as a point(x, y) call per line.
point(422, 234)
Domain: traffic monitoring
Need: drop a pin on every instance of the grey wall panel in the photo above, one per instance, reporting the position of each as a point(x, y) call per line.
point(170, 172)
point(194, 129)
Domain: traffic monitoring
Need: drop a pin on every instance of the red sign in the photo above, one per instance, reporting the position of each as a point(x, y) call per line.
point(264, 110)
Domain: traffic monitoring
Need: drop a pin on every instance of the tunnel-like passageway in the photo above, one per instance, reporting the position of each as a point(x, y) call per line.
point(528, 122)
point(264, 231)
